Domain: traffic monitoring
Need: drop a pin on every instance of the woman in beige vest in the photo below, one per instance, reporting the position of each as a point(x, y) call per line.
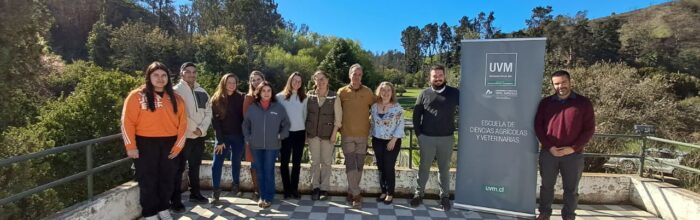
point(323, 119)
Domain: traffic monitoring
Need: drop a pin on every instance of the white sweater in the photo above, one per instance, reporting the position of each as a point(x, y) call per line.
point(296, 111)
point(198, 108)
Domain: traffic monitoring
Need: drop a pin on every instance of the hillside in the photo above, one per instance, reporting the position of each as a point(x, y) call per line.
point(665, 35)
point(73, 20)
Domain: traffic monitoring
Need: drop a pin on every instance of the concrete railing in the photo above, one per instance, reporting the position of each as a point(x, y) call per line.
point(662, 199)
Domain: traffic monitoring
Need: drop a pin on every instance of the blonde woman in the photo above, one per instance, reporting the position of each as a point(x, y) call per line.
point(387, 130)
point(254, 79)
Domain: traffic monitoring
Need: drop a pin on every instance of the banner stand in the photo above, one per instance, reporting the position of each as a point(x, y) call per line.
point(500, 88)
point(495, 211)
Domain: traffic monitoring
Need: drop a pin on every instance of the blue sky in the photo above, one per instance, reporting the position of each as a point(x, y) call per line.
point(377, 24)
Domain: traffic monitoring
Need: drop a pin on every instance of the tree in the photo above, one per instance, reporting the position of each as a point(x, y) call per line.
point(153, 44)
point(337, 64)
point(165, 14)
point(541, 16)
point(99, 50)
point(429, 36)
point(446, 40)
point(208, 14)
point(411, 40)
point(466, 29)
point(489, 31)
point(185, 22)
point(221, 51)
point(578, 40)
point(280, 64)
point(606, 40)
point(259, 19)
point(22, 46)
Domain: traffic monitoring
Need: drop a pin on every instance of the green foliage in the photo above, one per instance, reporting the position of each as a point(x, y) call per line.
point(21, 48)
point(400, 90)
point(98, 47)
point(280, 64)
point(221, 51)
point(92, 110)
point(74, 20)
point(63, 83)
point(337, 64)
point(137, 44)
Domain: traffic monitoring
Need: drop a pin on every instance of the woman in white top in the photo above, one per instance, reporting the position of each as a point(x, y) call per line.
point(293, 98)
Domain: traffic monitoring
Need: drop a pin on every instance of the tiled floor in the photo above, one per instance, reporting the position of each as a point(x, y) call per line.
point(337, 209)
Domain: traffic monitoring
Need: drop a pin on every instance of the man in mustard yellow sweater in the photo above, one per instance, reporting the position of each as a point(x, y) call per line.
point(356, 99)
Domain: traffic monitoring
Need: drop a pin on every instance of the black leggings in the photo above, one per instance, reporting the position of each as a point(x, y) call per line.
point(155, 173)
point(291, 146)
point(386, 162)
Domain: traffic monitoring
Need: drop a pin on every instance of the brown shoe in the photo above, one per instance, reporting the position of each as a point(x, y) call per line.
point(543, 217)
point(349, 198)
point(357, 202)
point(265, 204)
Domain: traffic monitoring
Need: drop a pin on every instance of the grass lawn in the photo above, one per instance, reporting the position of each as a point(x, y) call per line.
point(408, 100)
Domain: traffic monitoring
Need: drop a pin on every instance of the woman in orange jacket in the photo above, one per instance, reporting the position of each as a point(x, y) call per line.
point(153, 128)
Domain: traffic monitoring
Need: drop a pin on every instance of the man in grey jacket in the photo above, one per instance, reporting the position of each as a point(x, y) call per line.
point(199, 115)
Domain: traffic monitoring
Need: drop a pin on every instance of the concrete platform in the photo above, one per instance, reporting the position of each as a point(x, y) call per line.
point(336, 209)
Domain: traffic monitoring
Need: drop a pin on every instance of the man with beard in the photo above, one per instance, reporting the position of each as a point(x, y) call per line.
point(564, 124)
point(434, 124)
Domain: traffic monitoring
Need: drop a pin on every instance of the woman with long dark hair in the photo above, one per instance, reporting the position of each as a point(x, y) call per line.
point(153, 128)
point(265, 124)
point(293, 99)
point(227, 105)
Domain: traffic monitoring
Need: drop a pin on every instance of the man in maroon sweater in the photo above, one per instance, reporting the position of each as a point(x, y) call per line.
point(564, 123)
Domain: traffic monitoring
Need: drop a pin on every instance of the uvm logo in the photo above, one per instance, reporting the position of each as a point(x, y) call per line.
point(497, 189)
point(501, 69)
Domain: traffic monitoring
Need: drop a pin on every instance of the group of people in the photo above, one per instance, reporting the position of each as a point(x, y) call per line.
point(164, 127)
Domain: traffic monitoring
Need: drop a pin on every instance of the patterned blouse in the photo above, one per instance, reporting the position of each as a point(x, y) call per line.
point(388, 125)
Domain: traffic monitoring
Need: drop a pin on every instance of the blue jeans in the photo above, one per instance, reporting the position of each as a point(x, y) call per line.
point(265, 167)
point(233, 150)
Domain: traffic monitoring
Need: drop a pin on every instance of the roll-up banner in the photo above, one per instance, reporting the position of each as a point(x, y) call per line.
point(501, 83)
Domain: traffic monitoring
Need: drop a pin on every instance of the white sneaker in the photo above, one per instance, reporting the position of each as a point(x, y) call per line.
point(165, 215)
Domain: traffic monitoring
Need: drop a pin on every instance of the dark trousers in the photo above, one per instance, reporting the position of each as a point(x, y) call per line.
point(570, 167)
point(265, 167)
point(292, 146)
point(233, 150)
point(192, 154)
point(155, 173)
point(386, 162)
